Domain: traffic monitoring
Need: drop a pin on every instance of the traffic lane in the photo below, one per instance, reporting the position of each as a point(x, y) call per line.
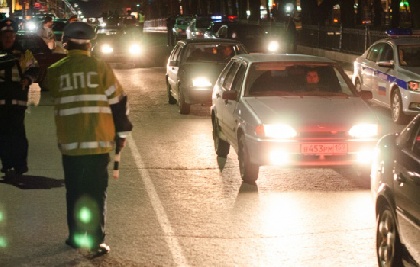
point(33, 212)
point(211, 215)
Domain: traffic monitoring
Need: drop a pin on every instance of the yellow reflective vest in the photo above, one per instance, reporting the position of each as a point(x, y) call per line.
point(84, 90)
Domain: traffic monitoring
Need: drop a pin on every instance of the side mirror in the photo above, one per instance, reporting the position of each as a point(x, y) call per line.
point(229, 95)
point(385, 64)
point(366, 95)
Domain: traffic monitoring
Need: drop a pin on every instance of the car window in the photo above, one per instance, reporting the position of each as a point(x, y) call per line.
point(374, 52)
point(409, 55)
point(279, 78)
point(225, 71)
point(239, 78)
point(387, 53)
point(227, 83)
point(215, 52)
point(416, 147)
point(408, 136)
point(175, 54)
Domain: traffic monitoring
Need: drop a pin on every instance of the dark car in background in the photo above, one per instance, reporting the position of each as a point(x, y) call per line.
point(193, 67)
point(253, 36)
point(40, 50)
point(129, 46)
point(395, 186)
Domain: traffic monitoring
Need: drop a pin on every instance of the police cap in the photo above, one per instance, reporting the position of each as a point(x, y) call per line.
point(79, 32)
point(8, 25)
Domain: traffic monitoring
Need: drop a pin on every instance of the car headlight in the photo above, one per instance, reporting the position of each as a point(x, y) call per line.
point(31, 26)
point(107, 49)
point(273, 46)
point(201, 82)
point(364, 130)
point(414, 86)
point(279, 131)
point(134, 49)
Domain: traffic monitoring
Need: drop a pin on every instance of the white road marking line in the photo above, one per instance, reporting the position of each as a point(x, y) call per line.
point(164, 222)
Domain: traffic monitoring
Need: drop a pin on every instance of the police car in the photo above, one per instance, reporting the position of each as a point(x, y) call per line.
point(390, 69)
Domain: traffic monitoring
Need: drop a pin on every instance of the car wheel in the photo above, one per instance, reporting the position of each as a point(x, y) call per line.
point(397, 109)
point(358, 85)
point(388, 246)
point(184, 108)
point(171, 99)
point(221, 146)
point(248, 170)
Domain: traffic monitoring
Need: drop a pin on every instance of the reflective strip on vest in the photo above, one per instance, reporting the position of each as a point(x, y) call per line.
point(93, 144)
point(114, 100)
point(78, 98)
point(81, 110)
point(19, 103)
point(110, 90)
point(2, 102)
point(15, 75)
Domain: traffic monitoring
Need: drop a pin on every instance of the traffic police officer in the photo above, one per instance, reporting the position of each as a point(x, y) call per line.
point(18, 69)
point(90, 112)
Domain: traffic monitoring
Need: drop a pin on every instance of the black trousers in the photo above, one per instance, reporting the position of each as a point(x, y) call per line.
point(86, 181)
point(13, 141)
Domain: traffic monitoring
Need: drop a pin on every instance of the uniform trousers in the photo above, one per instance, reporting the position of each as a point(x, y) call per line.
point(13, 141)
point(86, 181)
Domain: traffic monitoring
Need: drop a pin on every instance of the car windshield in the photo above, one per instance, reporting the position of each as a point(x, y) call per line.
point(409, 55)
point(212, 52)
point(296, 79)
point(203, 23)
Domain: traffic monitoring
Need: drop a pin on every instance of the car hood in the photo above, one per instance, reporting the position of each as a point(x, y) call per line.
point(209, 69)
point(412, 72)
point(309, 110)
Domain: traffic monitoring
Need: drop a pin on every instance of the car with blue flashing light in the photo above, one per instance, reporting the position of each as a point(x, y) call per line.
point(390, 69)
point(395, 187)
point(192, 68)
point(263, 107)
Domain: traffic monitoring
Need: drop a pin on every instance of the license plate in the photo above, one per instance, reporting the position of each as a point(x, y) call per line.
point(323, 149)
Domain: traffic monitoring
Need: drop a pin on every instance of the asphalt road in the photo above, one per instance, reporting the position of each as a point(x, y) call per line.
point(177, 204)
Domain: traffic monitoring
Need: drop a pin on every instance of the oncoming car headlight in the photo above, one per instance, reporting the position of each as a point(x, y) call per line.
point(134, 49)
point(414, 86)
point(31, 26)
point(201, 82)
point(273, 46)
point(107, 49)
point(364, 130)
point(279, 131)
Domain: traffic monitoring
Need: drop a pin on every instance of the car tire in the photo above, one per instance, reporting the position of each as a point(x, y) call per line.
point(388, 245)
point(171, 99)
point(220, 145)
point(248, 170)
point(184, 108)
point(397, 109)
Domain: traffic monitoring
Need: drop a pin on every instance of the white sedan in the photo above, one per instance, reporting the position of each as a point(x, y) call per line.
point(291, 110)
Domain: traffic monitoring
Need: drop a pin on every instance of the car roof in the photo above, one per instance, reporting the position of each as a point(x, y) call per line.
point(209, 41)
point(260, 57)
point(402, 40)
